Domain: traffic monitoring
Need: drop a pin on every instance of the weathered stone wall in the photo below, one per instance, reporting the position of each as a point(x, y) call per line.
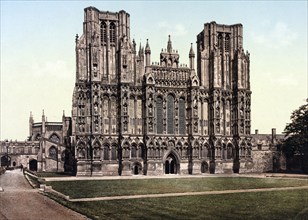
point(262, 161)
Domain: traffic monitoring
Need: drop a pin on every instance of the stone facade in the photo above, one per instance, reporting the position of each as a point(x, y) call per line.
point(132, 117)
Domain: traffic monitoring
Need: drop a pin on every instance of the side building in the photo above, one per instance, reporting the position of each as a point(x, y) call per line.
point(46, 148)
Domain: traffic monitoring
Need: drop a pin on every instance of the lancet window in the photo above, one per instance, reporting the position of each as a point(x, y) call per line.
point(182, 116)
point(159, 114)
point(103, 33)
point(112, 30)
point(170, 114)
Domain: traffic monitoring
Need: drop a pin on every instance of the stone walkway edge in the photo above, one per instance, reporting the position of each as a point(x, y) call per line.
point(106, 198)
point(171, 176)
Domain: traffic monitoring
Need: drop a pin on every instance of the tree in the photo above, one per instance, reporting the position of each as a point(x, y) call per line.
point(295, 145)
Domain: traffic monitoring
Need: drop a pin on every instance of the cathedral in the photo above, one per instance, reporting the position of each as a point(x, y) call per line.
point(134, 117)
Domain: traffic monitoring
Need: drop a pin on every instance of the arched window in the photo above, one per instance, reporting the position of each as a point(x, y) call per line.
point(134, 151)
point(103, 33)
point(140, 151)
point(112, 30)
point(170, 114)
point(113, 152)
point(182, 124)
point(82, 151)
point(159, 115)
point(53, 153)
point(220, 41)
point(229, 151)
point(106, 152)
point(204, 152)
point(227, 43)
point(54, 138)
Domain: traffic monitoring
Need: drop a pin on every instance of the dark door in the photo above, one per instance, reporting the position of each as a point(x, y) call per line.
point(204, 167)
point(33, 165)
point(167, 167)
point(171, 165)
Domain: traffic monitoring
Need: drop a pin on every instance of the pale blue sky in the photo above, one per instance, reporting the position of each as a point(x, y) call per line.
point(38, 52)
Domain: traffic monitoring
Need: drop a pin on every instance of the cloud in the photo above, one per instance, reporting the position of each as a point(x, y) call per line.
point(174, 30)
point(278, 36)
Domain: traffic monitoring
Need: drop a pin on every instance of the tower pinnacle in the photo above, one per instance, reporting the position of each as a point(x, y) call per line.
point(147, 48)
point(169, 46)
point(191, 52)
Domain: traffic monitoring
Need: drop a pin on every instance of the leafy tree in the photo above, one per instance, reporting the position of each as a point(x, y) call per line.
point(296, 137)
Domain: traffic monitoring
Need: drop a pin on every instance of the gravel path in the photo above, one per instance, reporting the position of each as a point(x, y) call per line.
point(19, 201)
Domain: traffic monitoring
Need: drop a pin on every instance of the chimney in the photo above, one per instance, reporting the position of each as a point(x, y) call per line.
point(256, 131)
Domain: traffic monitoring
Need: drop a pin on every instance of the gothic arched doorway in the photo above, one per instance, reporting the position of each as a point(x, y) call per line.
point(171, 165)
point(137, 168)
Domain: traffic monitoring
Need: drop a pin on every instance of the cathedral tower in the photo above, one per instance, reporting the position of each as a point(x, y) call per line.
point(105, 57)
point(223, 69)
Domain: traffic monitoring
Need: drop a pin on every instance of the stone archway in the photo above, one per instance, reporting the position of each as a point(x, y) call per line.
point(137, 168)
point(172, 165)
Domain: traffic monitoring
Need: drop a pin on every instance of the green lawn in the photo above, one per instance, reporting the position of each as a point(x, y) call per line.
point(99, 188)
point(291, 204)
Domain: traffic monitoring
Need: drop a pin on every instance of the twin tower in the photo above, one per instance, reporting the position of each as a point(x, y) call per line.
point(134, 117)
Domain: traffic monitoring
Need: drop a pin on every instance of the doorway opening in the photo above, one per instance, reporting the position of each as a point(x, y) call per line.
point(171, 165)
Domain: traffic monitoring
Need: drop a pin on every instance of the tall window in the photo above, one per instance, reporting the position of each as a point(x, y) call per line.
point(227, 43)
point(106, 152)
point(103, 33)
point(159, 115)
point(134, 151)
point(229, 151)
point(114, 152)
point(112, 33)
point(53, 152)
point(220, 41)
point(170, 114)
point(182, 116)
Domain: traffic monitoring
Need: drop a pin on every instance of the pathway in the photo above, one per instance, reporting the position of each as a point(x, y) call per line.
point(19, 201)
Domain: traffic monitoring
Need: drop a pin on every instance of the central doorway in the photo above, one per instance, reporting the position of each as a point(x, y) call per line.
point(171, 165)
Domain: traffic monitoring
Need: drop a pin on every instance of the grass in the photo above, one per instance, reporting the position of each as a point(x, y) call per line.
point(291, 204)
point(100, 188)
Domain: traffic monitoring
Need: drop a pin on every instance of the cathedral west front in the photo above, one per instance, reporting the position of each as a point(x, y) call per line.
point(131, 116)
